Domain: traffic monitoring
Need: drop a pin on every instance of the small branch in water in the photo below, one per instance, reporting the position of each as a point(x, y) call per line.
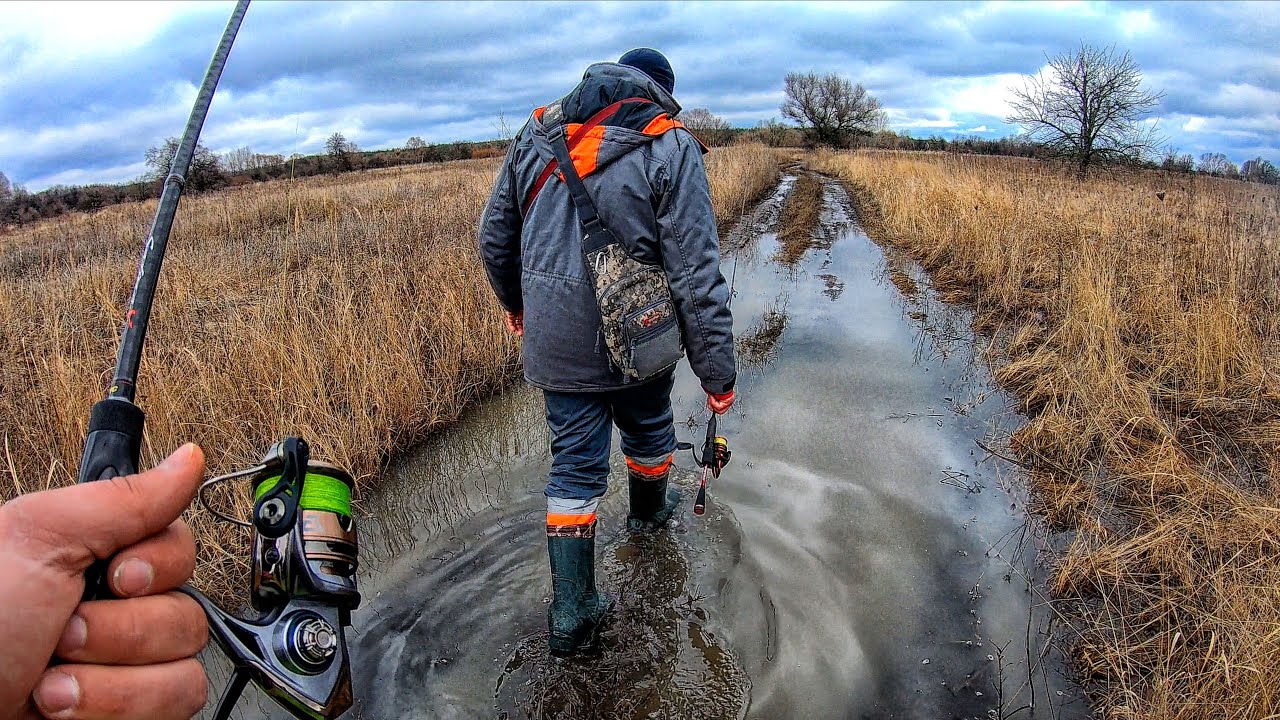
point(1002, 456)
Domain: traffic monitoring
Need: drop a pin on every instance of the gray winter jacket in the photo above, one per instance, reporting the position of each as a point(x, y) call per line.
point(651, 190)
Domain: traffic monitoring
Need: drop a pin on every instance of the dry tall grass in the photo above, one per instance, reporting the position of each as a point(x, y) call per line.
point(1142, 319)
point(798, 220)
point(739, 175)
point(351, 310)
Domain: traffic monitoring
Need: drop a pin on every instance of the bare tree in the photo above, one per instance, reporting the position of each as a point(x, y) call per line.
point(205, 172)
point(260, 161)
point(1088, 107)
point(830, 107)
point(1177, 162)
point(417, 147)
point(6, 190)
point(238, 160)
point(1260, 171)
point(505, 133)
point(1219, 165)
point(339, 150)
point(711, 129)
point(773, 133)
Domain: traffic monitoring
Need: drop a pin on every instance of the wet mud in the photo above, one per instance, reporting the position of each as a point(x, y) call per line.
point(862, 557)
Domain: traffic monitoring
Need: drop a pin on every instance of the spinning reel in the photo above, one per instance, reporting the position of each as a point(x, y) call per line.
point(303, 584)
point(715, 456)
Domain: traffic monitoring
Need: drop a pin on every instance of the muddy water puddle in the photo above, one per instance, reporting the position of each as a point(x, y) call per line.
point(862, 556)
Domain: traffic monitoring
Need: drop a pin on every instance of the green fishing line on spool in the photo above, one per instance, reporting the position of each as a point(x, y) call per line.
point(319, 492)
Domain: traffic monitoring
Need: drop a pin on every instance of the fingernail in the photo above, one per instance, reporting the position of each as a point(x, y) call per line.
point(179, 456)
point(175, 457)
point(133, 577)
point(56, 694)
point(74, 635)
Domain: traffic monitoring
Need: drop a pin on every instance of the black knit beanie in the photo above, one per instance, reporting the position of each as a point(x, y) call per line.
point(651, 63)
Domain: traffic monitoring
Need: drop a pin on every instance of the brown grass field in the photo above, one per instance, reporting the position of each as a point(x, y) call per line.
point(351, 310)
point(1137, 319)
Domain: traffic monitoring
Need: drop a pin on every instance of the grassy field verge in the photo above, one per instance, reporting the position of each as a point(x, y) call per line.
point(1140, 319)
point(351, 310)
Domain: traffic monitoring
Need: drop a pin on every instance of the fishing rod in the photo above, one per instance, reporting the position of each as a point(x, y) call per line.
point(304, 551)
point(715, 449)
point(715, 456)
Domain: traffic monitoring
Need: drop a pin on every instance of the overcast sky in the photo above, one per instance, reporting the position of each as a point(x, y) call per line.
point(86, 88)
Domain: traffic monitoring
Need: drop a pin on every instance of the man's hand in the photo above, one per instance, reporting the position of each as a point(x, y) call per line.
point(130, 657)
point(719, 403)
point(515, 322)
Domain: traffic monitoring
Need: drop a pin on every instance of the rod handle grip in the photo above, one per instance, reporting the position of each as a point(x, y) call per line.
point(111, 449)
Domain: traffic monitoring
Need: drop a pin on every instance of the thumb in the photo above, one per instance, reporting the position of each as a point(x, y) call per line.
point(95, 519)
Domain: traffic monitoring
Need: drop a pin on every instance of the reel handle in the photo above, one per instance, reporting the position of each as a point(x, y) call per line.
point(708, 447)
point(111, 450)
point(296, 654)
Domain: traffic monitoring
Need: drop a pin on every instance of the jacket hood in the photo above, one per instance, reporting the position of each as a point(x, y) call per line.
point(602, 85)
point(606, 83)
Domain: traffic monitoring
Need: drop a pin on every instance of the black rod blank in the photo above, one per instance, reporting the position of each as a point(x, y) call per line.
point(124, 385)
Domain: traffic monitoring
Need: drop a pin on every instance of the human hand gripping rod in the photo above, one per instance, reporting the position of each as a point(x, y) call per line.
point(304, 539)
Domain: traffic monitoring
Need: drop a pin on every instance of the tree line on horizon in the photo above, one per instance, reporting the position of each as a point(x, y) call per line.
point(211, 171)
point(1088, 109)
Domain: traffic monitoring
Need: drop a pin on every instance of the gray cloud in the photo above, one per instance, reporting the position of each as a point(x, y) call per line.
point(379, 72)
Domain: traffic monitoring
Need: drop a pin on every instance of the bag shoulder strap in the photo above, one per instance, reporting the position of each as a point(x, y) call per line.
point(596, 235)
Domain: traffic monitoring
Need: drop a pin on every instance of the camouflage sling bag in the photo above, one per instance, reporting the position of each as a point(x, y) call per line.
point(640, 326)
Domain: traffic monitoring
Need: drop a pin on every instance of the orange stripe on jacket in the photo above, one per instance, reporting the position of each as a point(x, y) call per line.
point(661, 124)
point(565, 519)
point(650, 469)
point(586, 154)
point(584, 150)
point(664, 122)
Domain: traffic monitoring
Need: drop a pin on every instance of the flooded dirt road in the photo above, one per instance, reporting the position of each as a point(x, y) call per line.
point(862, 556)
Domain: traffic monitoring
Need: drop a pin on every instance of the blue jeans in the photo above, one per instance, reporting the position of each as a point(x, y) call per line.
point(582, 429)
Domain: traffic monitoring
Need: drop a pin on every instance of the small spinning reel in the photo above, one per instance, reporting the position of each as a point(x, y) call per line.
point(304, 586)
point(715, 456)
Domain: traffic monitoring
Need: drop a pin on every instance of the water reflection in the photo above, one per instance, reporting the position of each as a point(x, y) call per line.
point(458, 473)
point(758, 346)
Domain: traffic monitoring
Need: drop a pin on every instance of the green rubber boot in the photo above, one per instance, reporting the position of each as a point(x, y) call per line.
point(652, 500)
point(577, 609)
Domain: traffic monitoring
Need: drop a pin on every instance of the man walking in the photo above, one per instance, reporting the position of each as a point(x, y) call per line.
point(643, 174)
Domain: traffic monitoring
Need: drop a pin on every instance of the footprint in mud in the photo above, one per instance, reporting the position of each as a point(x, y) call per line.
point(656, 657)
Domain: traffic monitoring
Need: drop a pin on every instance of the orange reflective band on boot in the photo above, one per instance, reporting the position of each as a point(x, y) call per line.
point(581, 525)
point(570, 519)
point(650, 470)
